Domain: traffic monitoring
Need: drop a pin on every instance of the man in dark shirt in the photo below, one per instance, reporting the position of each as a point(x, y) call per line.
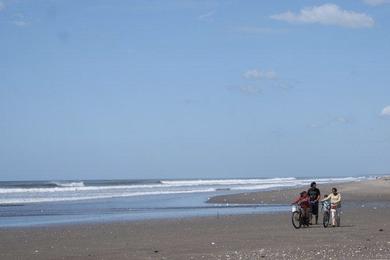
point(315, 195)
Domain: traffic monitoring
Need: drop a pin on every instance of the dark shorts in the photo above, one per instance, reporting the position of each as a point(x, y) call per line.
point(314, 208)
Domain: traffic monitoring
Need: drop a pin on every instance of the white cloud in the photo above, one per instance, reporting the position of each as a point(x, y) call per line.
point(376, 2)
point(386, 111)
point(20, 23)
point(20, 20)
point(258, 74)
point(339, 120)
point(250, 89)
point(207, 16)
point(257, 82)
point(327, 14)
point(2, 6)
point(246, 89)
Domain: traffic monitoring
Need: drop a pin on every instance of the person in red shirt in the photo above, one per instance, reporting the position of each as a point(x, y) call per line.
point(304, 202)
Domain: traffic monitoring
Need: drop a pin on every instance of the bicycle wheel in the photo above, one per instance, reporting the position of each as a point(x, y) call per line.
point(326, 219)
point(296, 219)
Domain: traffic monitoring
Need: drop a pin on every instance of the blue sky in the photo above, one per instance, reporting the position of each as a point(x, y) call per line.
point(193, 89)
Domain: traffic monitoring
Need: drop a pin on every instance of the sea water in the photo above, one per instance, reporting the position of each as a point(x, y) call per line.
point(31, 203)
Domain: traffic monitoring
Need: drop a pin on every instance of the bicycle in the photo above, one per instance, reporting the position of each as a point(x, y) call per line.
point(326, 216)
point(297, 218)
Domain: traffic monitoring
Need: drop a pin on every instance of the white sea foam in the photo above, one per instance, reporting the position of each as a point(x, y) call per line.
point(79, 186)
point(69, 184)
point(262, 187)
point(103, 196)
point(226, 181)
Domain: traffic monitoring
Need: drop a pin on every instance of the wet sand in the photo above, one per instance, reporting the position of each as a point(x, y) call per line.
point(364, 233)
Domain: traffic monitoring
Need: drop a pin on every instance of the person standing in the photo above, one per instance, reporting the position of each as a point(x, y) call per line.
point(335, 200)
point(314, 195)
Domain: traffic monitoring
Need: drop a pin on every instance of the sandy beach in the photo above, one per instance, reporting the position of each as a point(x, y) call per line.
point(364, 233)
point(356, 192)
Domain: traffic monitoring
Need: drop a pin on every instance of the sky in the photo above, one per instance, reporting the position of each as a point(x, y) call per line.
point(193, 89)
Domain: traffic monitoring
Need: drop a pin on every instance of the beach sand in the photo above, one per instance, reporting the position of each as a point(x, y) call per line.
point(364, 233)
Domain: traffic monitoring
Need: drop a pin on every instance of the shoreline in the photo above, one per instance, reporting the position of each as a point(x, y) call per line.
point(364, 233)
point(164, 203)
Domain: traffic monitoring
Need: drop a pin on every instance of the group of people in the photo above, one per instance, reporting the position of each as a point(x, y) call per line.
point(309, 201)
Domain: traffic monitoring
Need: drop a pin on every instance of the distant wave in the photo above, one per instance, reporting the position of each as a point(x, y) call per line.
point(69, 184)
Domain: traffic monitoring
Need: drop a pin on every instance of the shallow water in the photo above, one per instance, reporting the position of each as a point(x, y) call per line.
point(119, 209)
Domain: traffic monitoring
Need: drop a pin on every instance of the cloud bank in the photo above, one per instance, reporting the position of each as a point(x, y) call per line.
point(327, 14)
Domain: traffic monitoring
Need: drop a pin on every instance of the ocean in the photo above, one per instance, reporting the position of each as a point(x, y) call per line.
point(32, 203)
